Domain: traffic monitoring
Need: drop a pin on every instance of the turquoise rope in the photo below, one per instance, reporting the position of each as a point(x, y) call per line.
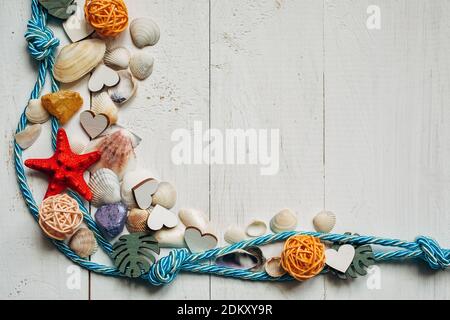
point(41, 46)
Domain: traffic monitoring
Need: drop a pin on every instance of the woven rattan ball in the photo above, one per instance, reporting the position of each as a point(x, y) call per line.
point(107, 17)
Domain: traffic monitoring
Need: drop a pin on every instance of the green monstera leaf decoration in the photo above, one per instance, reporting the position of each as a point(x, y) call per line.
point(61, 9)
point(133, 253)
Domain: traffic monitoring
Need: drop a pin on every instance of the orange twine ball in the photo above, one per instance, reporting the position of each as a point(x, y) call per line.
point(108, 17)
point(303, 257)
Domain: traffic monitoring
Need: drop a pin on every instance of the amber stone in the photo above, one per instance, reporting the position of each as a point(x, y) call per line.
point(62, 104)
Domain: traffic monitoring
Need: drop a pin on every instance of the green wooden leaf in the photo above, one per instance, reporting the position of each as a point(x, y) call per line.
point(58, 8)
point(133, 253)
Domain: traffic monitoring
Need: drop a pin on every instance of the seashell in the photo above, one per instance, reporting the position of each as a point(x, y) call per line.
point(273, 267)
point(117, 152)
point(135, 139)
point(256, 228)
point(171, 238)
point(137, 220)
point(118, 58)
point(28, 136)
point(102, 103)
point(144, 32)
point(251, 259)
point(83, 243)
point(141, 65)
point(35, 112)
point(194, 218)
point(130, 180)
point(324, 221)
point(234, 234)
point(77, 146)
point(165, 195)
point(285, 220)
point(126, 88)
point(105, 187)
point(78, 59)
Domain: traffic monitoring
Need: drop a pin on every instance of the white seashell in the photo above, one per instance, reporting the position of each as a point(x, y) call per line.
point(285, 220)
point(144, 32)
point(273, 267)
point(28, 136)
point(118, 58)
point(324, 221)
point(130, 180)
point(76, 145)
point(194, 218)
point(102, 103)
point(78, 59)
point(256, 228)
point(171, 238)
point(234, 234)
point(105, 187)
point(83, 243)
point(137, 220)
point(35, 112)
point(141, 65)
point(126, 88)
point(244, 259)
point(165, 195)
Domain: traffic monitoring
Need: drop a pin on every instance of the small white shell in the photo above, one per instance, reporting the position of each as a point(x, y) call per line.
point(256, 228)
point(285, 220)
point(118, 58)
point(324, 221)
point(28, 136)
point(144, 32)
point(126, 88)
point(141, 65)
point(102, 103)
point(76, 145)
point(234, 234)
point(137, 220)
point(130, 180)
point(273, 267)
point(83, 243)
point(35, 112)
point(105, 187)
point(165, 195)
point(194, 218)
point(171, 238)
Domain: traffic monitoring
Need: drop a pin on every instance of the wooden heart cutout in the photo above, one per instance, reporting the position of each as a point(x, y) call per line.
point(103, 76)
point(161, 217)
point(93, 124)
point(342, 259)
point(198, 241)
point(76, 26)
point(143, 191)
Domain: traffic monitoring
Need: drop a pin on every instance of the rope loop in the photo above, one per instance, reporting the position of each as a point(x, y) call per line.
point(436, 257)
point(166, 269)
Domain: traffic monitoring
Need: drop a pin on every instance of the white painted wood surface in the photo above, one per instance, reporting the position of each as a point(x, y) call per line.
point(364, 126)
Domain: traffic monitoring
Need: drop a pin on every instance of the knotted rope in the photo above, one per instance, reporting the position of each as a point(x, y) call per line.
point(42, 46)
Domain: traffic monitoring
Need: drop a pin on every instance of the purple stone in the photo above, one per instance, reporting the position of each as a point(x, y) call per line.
point(111, 219)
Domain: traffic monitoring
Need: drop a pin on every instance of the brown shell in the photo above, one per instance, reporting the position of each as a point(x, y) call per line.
point(83, 243)
point(137, 220)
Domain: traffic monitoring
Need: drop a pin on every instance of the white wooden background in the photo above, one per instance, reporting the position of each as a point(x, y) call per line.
point(364, 117)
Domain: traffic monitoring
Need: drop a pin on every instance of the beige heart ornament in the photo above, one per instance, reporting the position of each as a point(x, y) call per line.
point(101, 77)
point(161, 217)
point(143, 191)
point(198, 241)
point(76, 26)
point(340, 260)
point(93, 124)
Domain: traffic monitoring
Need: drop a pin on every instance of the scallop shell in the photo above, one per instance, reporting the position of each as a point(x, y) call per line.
point(126, 88)
point(105, 187)
point(118, 58)
point(28, 136)
point(35, 112)
point(76, 144)
point(194, 218)
point(324, 221)
point(141, 65)
point(171, 238)
point(285, 220)
point(165, 195)
point(234, 234)
point(256, 228)
point(273, 267)
point(102, 103)
point(78, 59)
point(144, 32)
point(130, 180)
point(251, 259)
point(137, 220)
point(83, 243)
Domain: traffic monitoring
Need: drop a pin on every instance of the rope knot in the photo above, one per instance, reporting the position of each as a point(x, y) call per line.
point(166, 269)
point(41, 40)
point(433, 254)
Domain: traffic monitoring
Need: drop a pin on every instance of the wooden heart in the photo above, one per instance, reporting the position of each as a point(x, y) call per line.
point(143, 191)
point(103, 76)
point(198, 241)
point(93, 124)
point(61, 9)
point(340, 260)
point(76, 26)
point(161, 217)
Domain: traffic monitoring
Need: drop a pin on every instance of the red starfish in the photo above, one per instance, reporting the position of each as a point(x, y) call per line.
point(65, 168)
